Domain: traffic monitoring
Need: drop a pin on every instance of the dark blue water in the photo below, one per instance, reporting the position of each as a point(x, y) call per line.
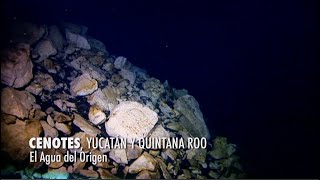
point(252, 66)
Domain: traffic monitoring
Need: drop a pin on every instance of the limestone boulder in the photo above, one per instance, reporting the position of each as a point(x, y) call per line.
point(15, 137)
point(192, 118)
point(17, 103)
point(83, 85)
point(144, 162)
point(131, 120)
point(16, 66)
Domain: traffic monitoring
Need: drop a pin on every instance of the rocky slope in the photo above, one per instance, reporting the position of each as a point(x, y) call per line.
point(60, 82)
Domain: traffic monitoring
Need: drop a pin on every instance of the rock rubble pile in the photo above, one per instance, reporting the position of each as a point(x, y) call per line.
point(59, 82)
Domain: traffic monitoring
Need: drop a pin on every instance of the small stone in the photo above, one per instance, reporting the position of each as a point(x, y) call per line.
point(77, 40)
point(163, 168)
point(83, 85)
point(154, 152)
point(145, 174)
point(34, 88)
point(44, 49)
point(83, 142)
point(171, 154)
point(60, 117)
point(50, 121)
point(213, 174)
point(49, 66)
point(105, 174)
point(66, 129)
point(78, 165)
point(100, 164)
point(144, 162)
point(119, 156)
point(154, 89)
point(48, 130)
point(133, 153)
point(49, 110)
point(57, 164)
point(129, 75)
point(122, 63)
point(46, 81)
point(175, 126)
point(221, 149)
point(96, 116)
point(85, 126)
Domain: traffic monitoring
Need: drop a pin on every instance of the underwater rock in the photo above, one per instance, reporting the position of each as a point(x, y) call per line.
point(112, 94)
point(16, 66)
point(175, 126)
point(165, 109)
point(89, 173)
point(109, 67)
point(103, 164)
point(50, 121)
point(83, 65)
point(98, 46)
point(77, 166)
point(48, 130)
point(122, 63)
point(119, 156)
point(96, 116)
point(34, 88)
point(17, 103)
point(66, 129)
point(65, 105)
point(60, 117)
point(15, 137)
point(163, 168)
point(57, 164)
point(213, 174)
point(83, 85)
point(105, 174)
point(129, 75)
point(46, 81)
point(44, 49)
point(84, 145)
point(145, 174)
point(131, 120)
point(50, 66)
point(171, 154)
point(74, 28)
point(77, 40)
point(99, 99)
point(85, 126)
point(159, 132)
point(133, 153)
point(56, 37)
point(144, 162)
point(221, 149)
point(180, 92)
point(96, 60)
point(192, 118)
point(154, 88)
point(197, 154)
